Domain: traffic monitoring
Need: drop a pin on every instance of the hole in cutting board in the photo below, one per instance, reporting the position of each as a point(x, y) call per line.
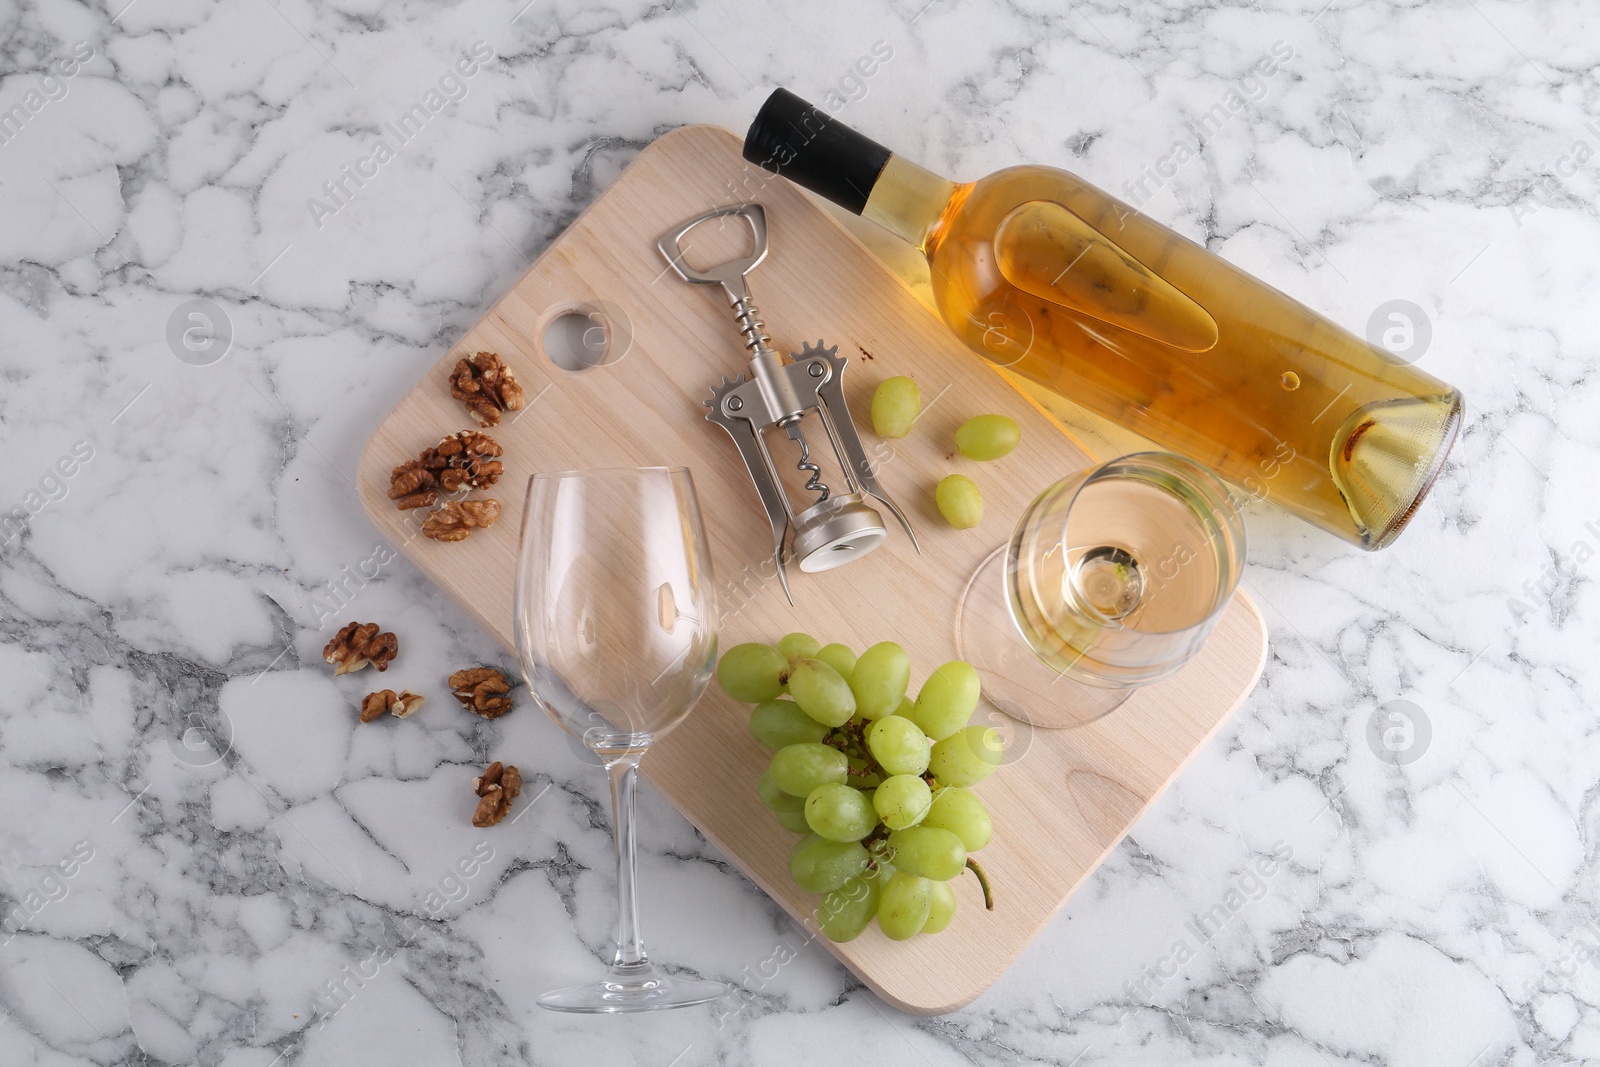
point(581, 337)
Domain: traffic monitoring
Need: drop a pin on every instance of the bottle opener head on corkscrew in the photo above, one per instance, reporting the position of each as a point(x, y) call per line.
point(831, 528)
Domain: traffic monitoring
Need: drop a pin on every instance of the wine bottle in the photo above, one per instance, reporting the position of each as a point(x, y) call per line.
point(1042, 273)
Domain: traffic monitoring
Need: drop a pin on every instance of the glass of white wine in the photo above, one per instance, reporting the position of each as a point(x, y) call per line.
point(1113, 579)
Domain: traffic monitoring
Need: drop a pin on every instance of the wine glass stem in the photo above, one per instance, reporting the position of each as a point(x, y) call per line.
point(624, 773)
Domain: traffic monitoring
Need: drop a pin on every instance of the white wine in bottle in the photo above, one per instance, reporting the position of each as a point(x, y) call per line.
point(1041, 272)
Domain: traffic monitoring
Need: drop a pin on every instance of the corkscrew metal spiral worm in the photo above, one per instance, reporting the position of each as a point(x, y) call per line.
point(814, 483)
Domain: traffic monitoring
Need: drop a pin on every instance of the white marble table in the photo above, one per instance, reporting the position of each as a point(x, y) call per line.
point(170, 903)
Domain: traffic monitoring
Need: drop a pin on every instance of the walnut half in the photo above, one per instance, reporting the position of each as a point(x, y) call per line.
point(496, 787)
point(486, 385)
point(375, 704)
point(459, 462)
point(454, 520)
point(358, 644)
point(482, 690)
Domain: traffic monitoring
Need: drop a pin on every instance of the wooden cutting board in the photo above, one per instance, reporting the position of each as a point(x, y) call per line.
point(1066, 797)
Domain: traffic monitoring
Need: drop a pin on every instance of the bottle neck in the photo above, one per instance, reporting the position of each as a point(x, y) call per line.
point(909, 202)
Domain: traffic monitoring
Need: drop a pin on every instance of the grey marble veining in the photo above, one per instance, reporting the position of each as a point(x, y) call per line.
point(205, 860)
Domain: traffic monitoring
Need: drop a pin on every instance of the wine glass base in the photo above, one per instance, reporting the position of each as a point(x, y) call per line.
point(1015, 680)
point(634, 989)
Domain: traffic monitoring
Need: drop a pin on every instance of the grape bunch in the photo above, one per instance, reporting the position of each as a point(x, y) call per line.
point(878, 782)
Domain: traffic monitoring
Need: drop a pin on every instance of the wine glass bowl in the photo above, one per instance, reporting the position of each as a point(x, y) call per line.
point(1113, 579)
point(615, 623)
point(614, 609)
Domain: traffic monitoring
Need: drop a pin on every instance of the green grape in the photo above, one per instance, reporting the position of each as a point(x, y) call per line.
point(793, 820)
point(796, 647)
point(960, 501)
point(840, 813)
point(942, 907)
point(902, 801)
point(821, 692)
point(798, 769)
point(898, 745)
point(752, 672)
point(930, 853)
point(947, 700)
point(861, 777)
point(774, 798)
point(848, 910)
point(776, 723)
point(986, 437)
point(818, 865)
point(895, 405)
point(907, 708)
point(967, 756)
point(903, 906)
point(839, 657)
point(880, 679)
point(963, 814)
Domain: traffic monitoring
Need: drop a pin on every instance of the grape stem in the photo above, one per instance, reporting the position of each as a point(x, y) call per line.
point(983, 880)
point(852, 741)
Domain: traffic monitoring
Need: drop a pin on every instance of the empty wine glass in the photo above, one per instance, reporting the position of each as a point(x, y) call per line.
point(616, 633)
point(1113, 579)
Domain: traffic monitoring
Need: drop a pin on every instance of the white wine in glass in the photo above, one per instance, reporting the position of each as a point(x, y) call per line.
point(616, 634)
point(1113, 579)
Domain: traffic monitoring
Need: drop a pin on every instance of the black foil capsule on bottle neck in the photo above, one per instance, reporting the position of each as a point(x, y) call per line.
point(792, 138)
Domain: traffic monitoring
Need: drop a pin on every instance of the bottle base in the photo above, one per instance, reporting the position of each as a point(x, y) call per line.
point(1386, 458)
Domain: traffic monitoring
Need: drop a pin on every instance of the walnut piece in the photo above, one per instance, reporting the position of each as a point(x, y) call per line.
point(459, 462)
point(496, 787)
point(375, 704)
point(486, 385)
point(411, 485)
point(482, 690)
point(455, 519)
point(465, 460)
point(358, 644)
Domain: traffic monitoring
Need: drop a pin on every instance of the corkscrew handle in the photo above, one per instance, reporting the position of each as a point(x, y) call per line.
point(729, 275)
